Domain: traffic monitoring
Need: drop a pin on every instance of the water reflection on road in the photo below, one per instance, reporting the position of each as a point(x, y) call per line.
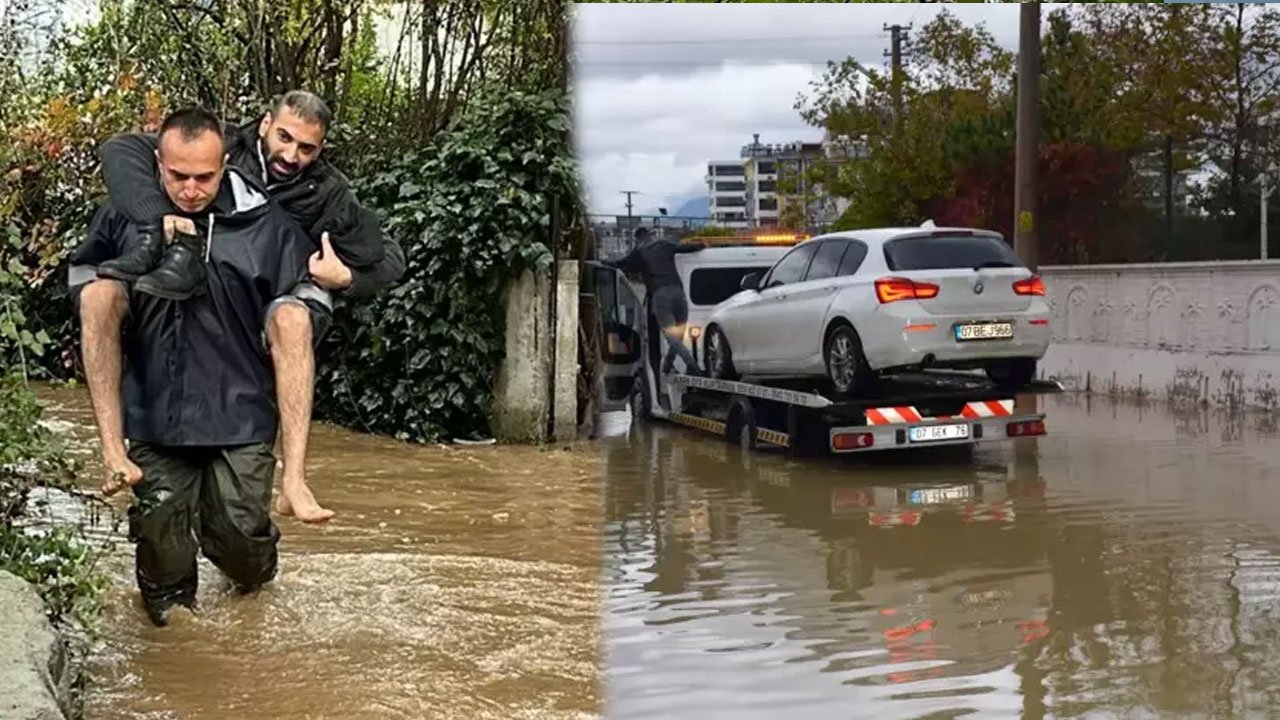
point(1124, 566)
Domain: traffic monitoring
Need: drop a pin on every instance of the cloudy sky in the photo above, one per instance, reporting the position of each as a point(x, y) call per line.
point(660, 89)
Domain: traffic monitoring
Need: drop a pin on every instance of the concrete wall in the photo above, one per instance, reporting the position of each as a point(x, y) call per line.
point(522, 392)
point(1198, 332)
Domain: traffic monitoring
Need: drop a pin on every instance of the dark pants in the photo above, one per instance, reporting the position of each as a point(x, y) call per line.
point(214, 500)
point(671, 311)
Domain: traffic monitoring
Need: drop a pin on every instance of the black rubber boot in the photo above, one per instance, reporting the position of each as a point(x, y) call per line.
point(140, 256)
point(158, 611)
point(181, 272)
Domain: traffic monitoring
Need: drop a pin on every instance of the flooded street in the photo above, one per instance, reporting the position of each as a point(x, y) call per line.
point(1127, 565)
point(454, 583)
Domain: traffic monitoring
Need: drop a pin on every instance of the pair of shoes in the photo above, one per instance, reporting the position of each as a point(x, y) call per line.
point(175, 273)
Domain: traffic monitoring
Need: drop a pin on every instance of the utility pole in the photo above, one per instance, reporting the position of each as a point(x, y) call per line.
point(896, 33)
point(1266, 193)
point(1168, 197)
point(1028, 140)
point(629, 193)
point(1028, 157)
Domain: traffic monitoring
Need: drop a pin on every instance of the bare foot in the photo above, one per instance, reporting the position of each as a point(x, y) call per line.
point(296, 500)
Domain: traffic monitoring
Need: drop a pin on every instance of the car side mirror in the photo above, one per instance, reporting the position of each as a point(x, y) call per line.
point(750, 282)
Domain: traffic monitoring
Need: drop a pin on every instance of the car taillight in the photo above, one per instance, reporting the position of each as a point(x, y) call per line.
point(1031, 286)
point(895, 289)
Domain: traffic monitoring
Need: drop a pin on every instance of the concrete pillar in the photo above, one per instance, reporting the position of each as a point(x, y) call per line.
point(523, 401)
point(520, 402)
point(565, 402)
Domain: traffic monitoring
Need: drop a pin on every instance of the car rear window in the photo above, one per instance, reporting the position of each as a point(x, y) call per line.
point(712, 286)
point(948, 252)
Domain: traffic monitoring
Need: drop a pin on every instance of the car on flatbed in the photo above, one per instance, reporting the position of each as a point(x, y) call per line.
point(851, 306)
point(799, 416)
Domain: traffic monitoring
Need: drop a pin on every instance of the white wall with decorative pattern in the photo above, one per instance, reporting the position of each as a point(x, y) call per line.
point(1204, 332)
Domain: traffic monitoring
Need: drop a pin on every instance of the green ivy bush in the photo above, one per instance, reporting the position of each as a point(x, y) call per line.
point(472, 211)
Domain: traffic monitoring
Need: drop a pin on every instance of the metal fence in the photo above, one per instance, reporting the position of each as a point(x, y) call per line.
point(615, 235)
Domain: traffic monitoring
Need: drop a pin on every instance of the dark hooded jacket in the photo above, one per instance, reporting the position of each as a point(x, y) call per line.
point(655, 262)
point(197, 372)
point(319, 199)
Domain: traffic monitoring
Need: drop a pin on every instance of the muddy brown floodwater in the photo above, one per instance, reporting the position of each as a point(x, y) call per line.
point(454, 583)
point(1125, 566)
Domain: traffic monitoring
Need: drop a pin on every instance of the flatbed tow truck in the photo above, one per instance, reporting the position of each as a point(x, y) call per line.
point(908, 410)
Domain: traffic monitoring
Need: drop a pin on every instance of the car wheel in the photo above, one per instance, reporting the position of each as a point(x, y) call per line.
point(719, 357)
point(847, 367)
point(1012, 374)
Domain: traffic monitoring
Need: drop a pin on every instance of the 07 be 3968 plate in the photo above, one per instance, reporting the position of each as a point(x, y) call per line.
point(984, 331)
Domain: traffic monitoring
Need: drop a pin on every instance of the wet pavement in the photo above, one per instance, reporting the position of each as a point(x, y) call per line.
point(1125, 566)
point(454, 583)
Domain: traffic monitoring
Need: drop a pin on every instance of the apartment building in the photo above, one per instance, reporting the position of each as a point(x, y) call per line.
point(748, 192)
point(727, 189)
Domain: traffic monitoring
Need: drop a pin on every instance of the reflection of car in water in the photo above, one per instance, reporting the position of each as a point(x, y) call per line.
point(930, 563)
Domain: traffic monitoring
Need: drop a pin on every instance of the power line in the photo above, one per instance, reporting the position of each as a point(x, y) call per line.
point(721, 41)
point(641, 63)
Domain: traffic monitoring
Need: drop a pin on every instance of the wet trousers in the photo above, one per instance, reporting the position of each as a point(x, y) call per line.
point(212, 500)
point(671, 311)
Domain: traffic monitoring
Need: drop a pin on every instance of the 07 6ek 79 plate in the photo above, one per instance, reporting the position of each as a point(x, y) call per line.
point(937, 433)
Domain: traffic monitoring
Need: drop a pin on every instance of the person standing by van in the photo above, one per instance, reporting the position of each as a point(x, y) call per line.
point(654, 260)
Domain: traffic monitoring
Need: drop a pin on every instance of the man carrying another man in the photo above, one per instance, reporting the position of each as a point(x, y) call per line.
point(195, 402)
point(280, 153)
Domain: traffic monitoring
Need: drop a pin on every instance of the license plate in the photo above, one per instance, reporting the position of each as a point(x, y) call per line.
point(927, 496)
point(935, 433)
point(984, 331)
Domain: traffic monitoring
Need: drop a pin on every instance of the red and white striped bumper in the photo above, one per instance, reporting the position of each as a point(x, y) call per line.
point(891, 428)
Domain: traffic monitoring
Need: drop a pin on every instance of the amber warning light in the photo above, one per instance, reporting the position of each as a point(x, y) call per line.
point(775, 238)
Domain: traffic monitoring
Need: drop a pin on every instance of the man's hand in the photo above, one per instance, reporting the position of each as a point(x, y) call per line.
point(326, 269)
point(174, 224)
point(121, 473)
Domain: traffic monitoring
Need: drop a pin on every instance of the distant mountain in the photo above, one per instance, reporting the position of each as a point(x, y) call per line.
point(697, 206)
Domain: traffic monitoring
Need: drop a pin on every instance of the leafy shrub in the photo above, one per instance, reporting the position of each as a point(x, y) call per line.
point(60, 562)
point(472, 212)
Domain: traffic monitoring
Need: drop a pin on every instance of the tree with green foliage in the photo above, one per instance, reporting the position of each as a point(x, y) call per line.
point(1118, 84)
point(958, 77)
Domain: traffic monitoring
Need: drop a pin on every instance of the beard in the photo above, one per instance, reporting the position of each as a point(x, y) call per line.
point(280, 170)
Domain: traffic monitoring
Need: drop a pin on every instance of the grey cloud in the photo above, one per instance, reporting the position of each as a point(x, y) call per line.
point(633, 39)
point(651, 107)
